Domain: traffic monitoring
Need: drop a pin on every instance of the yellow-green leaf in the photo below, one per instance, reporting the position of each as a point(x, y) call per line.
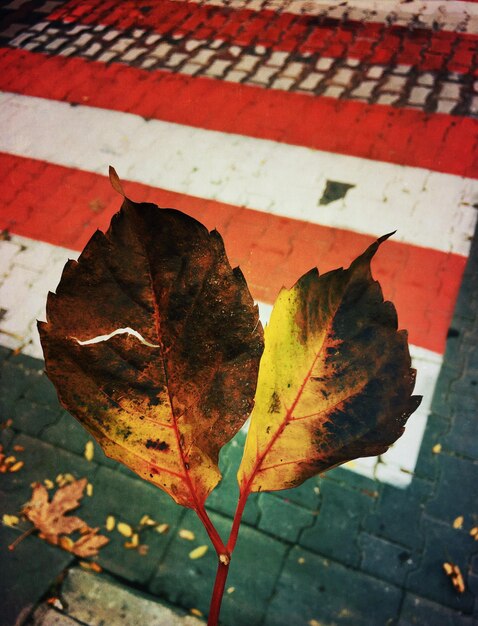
point(198, 552)
point(335, 381)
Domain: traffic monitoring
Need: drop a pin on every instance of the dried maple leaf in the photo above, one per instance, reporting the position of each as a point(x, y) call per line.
point(49, 517)
point(54, 525)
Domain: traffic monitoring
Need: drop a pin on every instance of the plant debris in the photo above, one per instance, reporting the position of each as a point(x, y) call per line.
point(455, 575)
point(55, 526)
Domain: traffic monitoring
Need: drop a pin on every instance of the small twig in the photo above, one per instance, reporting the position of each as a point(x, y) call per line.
point(23, 536)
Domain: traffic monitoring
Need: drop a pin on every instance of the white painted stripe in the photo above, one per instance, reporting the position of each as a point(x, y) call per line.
point(428, 209)
point(32, 268)
point(447, 14)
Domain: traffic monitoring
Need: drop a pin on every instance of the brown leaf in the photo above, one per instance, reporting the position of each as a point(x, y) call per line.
point(153, 343)
point(454, 573)
point(49, 517)
point(89, 543)
point(335, 380)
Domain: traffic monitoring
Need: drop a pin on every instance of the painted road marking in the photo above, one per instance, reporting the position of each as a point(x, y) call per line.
point(276, 178)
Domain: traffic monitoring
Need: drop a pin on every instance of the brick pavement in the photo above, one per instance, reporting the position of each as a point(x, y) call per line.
point(342, 548)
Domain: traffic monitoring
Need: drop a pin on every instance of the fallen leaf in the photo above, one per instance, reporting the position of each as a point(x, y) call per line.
point(313, 622)
point(231, 590)
point(162, 528)
point(10, 520)
point(187, 534)
point(458, 522)
point(55, 602)
point(455, 575)
point(55, 526)
point(124, 529)
point(91, 565)
point(17, 466)
point(474, 533)
point(436, 448)
point(49, 517)
point(143, 549)
point(198, 552)
point(147, 521)
point(335, 380)
point(18, 448)
point(134, 542)
point(301, 560)
point(89, 543)
point(48, 483)
point(66, 543)
point(110, 523)
point(89, 489)
point(196, 612)
point(162, 397)
point(89, 451)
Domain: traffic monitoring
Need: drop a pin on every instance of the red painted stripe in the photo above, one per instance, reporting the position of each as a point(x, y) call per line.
point(64, 207)
point(403, 136)
point(371, 42)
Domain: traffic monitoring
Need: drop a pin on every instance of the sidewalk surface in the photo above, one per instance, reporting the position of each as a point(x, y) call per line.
point(301, 131)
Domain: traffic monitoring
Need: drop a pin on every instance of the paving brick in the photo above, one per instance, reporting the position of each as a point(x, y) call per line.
point(84, 594)
point(189, 583)
point(436, 432)
point(398, 513)
point(324, 63)
point(375, 72)
point(218, 67)
point(458, 477)
point(43, 461)
point(14, 381)
point(133, 53)
point(277, 59)
point(293, 70)
point(26, 572)
point(418, 611)
point(32, 418)
point(343, 76)
point(450, 91)
point(445, 106)
point(175, 59)
point(282, 518)
point(393, 83)
point(313, 588)
point(128, 498)
point(443, 544)
point(235, 76)
point(443, 403)
point(418, 95)
point(333, 91)
point(224, 498)
point(44, 615)
point(463, 433)
point(335, 531)
point(311, 81)
point(364, 89)
point(202, 57)
point(247, 63)
point(385, 560)
point(264, 74)
point(283, 83)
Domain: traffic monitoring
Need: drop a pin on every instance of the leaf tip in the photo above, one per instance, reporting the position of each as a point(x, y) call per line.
point(115, 181)
point(385, 237)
